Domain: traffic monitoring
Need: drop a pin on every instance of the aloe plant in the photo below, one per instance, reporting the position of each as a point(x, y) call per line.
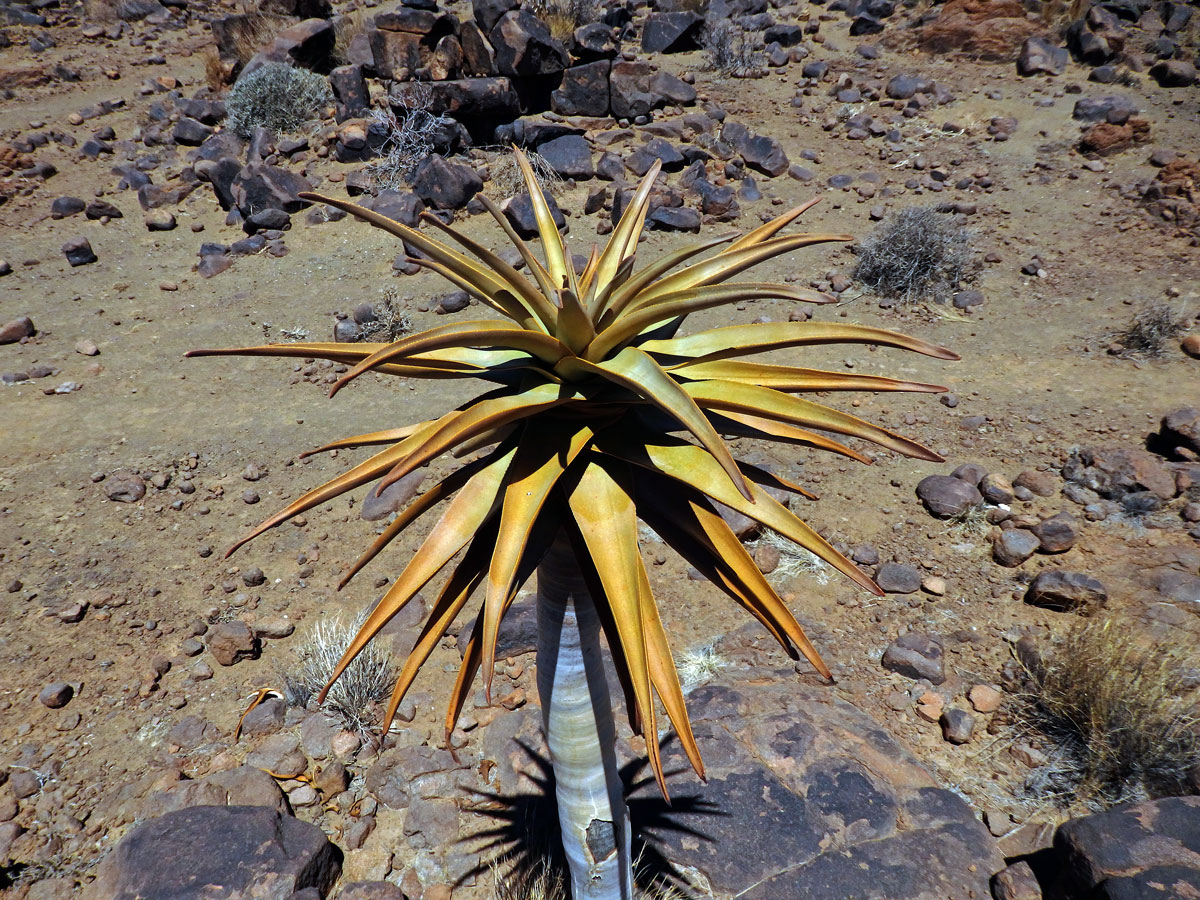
point(601, 413)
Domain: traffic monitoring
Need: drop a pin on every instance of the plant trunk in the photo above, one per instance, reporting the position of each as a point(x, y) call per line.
point(577, 716)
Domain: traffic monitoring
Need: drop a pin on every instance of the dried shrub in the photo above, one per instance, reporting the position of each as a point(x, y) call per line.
point(1120, 710)
point(276, 96)
point(914, 254)
point(405, 140)
point(390, 322)
point(504, 175)
point(1149, 332)
point(357, 694)
point(730, 51)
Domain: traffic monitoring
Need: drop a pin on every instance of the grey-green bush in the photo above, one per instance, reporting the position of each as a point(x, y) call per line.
point(276, 96)
point(915, 254)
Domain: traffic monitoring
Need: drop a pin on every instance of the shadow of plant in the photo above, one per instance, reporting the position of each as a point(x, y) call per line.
point(526, 842)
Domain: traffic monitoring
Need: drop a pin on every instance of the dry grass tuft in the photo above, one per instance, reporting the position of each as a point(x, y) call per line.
point(915, 254)
point(1058, 14)
point(698, 666)
point(1121, 710)
point(366, 683)
point(730, 51)
point(215, 73)
point(505, 179)
point(562, 17)
point(795, 560)
point(1149, 332)
point(255, 32)
point(543, 882)
point(345, 28)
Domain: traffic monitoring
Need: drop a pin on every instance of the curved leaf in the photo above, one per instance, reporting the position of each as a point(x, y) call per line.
point(743, 340)
point(479, 333)
point(730, 262)
point(793, 379)
point(462, 519)
point(365, 471)
point(557, 264)
point(485, 281)
point(693, 466)
point(770, 229)
point(641, 316)
point(539, 464)
point(479, 418)
point(603, 510)
point(700, 522)
point(771, 404)
point(616, 251)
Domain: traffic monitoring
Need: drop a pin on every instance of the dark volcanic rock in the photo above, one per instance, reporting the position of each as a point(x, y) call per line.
point(1114, 472)
point(946, 496)
point(488, 12)
point(220, 852)
point(569, 156)
point(916, 655)
point(785, 770)
point(1039, 56)
point(672, 32)
point(78, 252)
point(445, 185)
point(519, 211)
point(259, 186)
point(16, 329)
point(518, 631)
point(1058, 533)
point(677, 218)
point(232, 642)
point(524, 46)
point(62, 207)
point(191, 132)
point(1173, 73)
point(629, 89)
point(584, 90)
point(898, 579)
point(1181, 428)
point(1013, 546)
point(350, 94)
point(1139, 850)
point(403, 207)
point(1056, 589)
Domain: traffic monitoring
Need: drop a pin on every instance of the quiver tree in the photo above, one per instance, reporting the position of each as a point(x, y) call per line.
point(600, 413)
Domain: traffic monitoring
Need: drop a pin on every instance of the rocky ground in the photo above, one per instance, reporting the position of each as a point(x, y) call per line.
point(135, 226)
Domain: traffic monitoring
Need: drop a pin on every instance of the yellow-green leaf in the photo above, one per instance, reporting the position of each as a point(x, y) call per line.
point(743, 340)
point(771, 404)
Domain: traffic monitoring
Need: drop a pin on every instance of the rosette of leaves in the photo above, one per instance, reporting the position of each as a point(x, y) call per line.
point(600, 413)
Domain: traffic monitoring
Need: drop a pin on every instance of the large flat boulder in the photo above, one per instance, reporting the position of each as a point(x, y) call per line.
point(807, 797)
point(218, 853)
point(1147, 849)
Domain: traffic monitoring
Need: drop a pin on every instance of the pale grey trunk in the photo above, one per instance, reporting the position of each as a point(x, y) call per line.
point(577, 715)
